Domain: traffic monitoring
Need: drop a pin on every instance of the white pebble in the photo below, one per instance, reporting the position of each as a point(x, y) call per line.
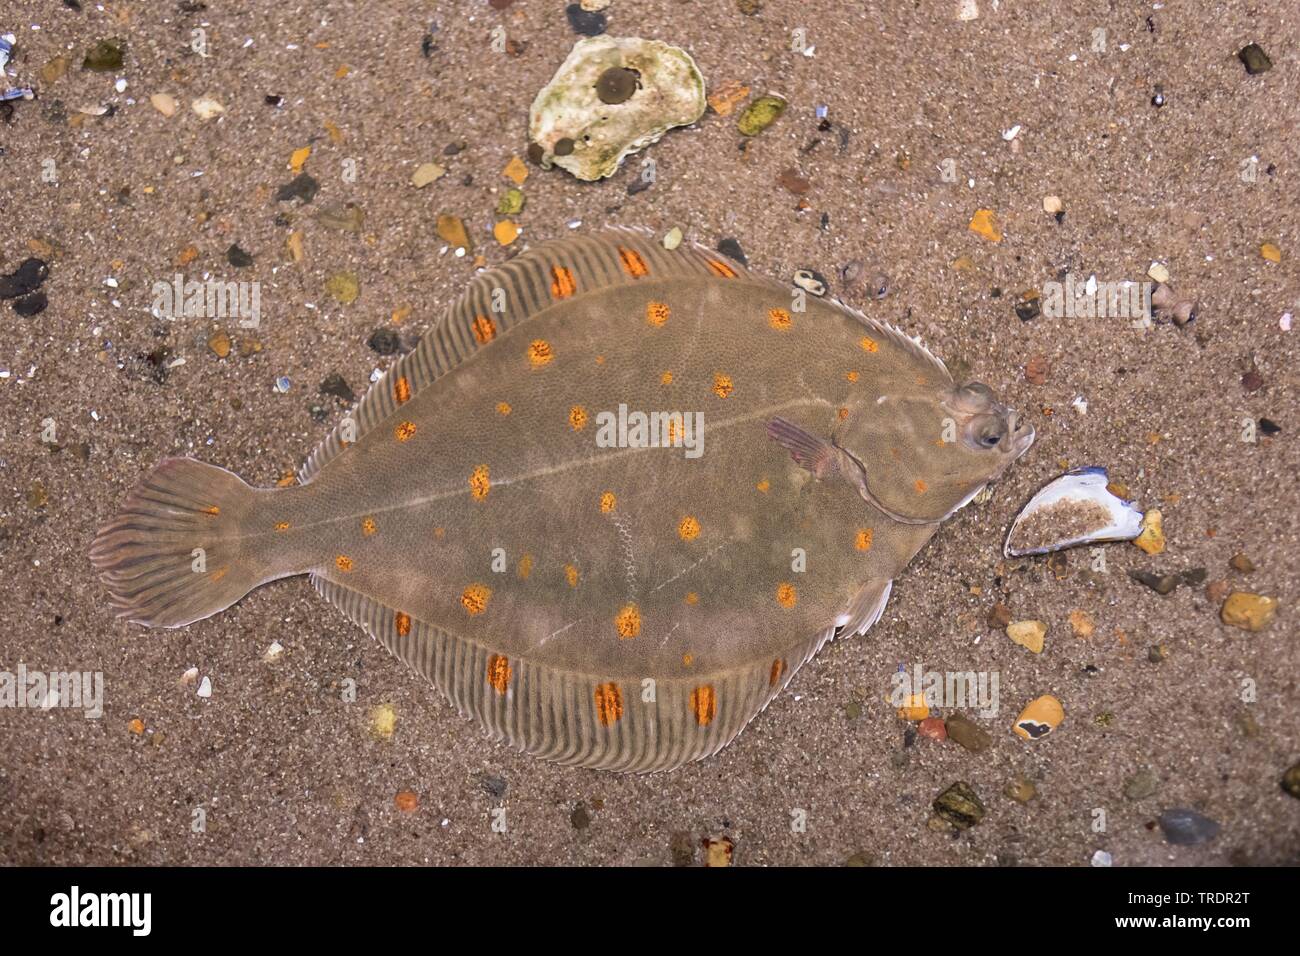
point(1158, 272)
point(1011, 134)
point(1101, 858)
point(1080, 405)
point(205, 688)
point(190, 676)
point(1285, 322)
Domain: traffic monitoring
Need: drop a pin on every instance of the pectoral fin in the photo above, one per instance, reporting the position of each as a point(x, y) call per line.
point(816, 454)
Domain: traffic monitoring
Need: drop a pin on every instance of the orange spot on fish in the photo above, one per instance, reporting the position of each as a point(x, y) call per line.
point(474, 599)
point(688, 529)
point(480, 483)
point(503, 408)
point(525, 567)
point(368, 526)
point(212, 512)
point(628, 622)
point(786, 596)
point(869, 344)
point(657, 313)
point(571, 575)
point(607, 502)
point(763, 485)
point(863, 539)
point(343, 563)
point(609, 703)
point(632, 262)
point(778, 668)
point(405, 431)
point(562, 284)
point(688, 659)
point(540, 353)
point(577, 418)
point(852, 376)
point(779, 319)
point(218, 574)
point(722, 385)
point(920, 486)
point(720, 269)
point(843, 413)
point(439, 532)
point(401, 389)
point(692, 598)
point(498, 673)
point(282, 526)
point(666, 378)
point(704, 704)
point(485, 330)
point(402, 622)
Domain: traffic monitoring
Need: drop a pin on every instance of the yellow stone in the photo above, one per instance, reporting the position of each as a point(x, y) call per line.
point(1028, 634)
point(164, 103)
point(516, 171)
point(1052, 204)
point(220, 344)
point(963, 264)
point(506, 232)
point(1082, 624)
point(426, 173)
point(985, 223)
point(298, 158)
point(1039, 718)
point(915, 708)
point(383, 721)
point(1250, 612)
point(1270, 252)
point(1152, 538)
point(294, 242)
point(452, 230)
point(727, 97)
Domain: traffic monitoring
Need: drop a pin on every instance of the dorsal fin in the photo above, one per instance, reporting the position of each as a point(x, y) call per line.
point(895, 335)
point(503, 297)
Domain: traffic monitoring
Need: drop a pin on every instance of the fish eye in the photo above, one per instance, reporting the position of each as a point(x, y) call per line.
point(986, 431)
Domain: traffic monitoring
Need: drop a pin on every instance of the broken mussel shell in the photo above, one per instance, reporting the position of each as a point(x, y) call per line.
point(613, 96)
point(1076, 508)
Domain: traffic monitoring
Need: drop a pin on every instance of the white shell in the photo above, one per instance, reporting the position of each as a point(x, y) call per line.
point(1079, 504)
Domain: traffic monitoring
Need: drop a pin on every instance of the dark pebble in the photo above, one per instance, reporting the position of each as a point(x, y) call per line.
point(968, 734)
point(238, 258)
point(1160, 583)
point(1269, 427)
point(580, 818)
point(639, 184)
point(32, 304)
point(454, 149)
point(274, 99)
point(496, 786)
point(1252, 381)
point(1255, 59)
point(26, 278)
point(427, 46)
point(1291, 781)
point(335, 385)
point(1028, 307)
point(1184, 827)
point(1193, 577)
point(303, 186)
point(731, 249)
point(106, 56)
point(536, 154)
point(587, 23)
point(960, 806)
point(385, 341)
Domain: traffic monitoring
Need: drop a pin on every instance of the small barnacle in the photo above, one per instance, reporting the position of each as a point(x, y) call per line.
point(368, 526)
point(609, 703)
point(863, 539)
point(401, 390)
point(632, 263)
point(869, 344)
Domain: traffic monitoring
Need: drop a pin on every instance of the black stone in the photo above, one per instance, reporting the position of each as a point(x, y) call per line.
point(1269, 427)
point(238, 258)
point(30, 305)
point(26, 278)
point(588, 23)
point(1255, 59)
point(335, 385)
point(385, 341)
point(1160, 583)
point(731, 249)
point(274, 99)
point(302, 186)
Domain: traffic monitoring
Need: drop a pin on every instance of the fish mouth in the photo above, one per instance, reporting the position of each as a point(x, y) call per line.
point(1022, 436)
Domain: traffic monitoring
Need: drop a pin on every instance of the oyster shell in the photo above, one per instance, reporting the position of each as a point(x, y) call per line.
point(1076, 508)
point(613, 96)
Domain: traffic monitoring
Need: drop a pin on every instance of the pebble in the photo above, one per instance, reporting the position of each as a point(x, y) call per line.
point(383, 721)
point(1052, 204)
point(580, 818)
point(511, 202)
point(999, 616)
point(985, 223)
point(1152, 538)
point(960, 806)
point(274, 652)
point(1158, 271)
point(1160, 583)
point(810, 281)
point(205, 688)
point(1141, 785)
point(914, 708)
point(385, 341)
point(1157, 653)
point(718, 852)
point(1082, 624)
point(1184, 827)
point(1239, 562)
point(731, 249)
point(1270, 252)
point(968, 734)
point(164, 103)
point(334, 384)
point(237, 257)
point(28, 277)
point(968, 10)
point(1037, 369)
point(452, 230)
point(516, 171)
point(1254, 59)
point(219, 343)
point(30, 305)
point(303, 186)
point(1250, 612)
point(1039, 718)
point(1021, 790)
point(587, 23)
point(206, 108)
point(106, 56)
point(760, 114)
point(933, 728)
point(427, 173)
point(1291, 780)
point(1028, 305)
point(495, 786)
point(406, 801)
point(790, 180)
point(1101, 858)
point(348, 217)
point(673, 238)
point(343, 287)
point(1028, 634)
point(725, 98)
point(505, 232)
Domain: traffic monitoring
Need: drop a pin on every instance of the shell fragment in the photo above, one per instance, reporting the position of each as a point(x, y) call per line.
point(1076, 508)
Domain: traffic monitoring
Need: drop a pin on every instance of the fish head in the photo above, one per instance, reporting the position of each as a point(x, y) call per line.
point(927, 452)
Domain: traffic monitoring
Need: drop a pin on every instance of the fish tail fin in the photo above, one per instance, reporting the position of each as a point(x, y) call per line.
point(177, 552)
